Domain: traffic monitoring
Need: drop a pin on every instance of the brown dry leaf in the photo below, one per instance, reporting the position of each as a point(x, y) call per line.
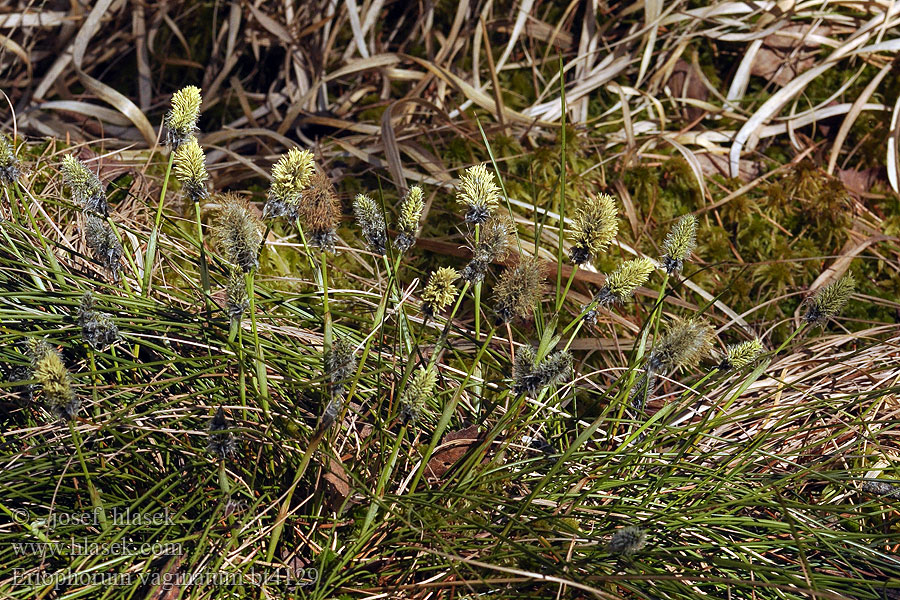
point(453, 447)
point(685, 82)
point(787, 53)
point(717, 164)
point(335, 483)
point(858, 181)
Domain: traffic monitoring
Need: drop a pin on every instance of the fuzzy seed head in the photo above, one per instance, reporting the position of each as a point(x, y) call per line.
point(291, 175)
point(440, 290)
point(97, 328)
point(622, 282)
point(492, 245)
point(181, 120)
point(519, 289)
point(53, 380)
point(319, 211)
point(190, 169)
point(741, 355)
point(84, 185)
point(221, 444)
point(103, 243)
point(238, 232)
point(408, 222)
point(627, 541)
point(680, 242)
point(340, 365)
point(685, 343)
point(829, 300)
point(594, 227)
point(236, 301)
point(9, 164)
point(371, 220)
point(416, 393)
point(479, 191)
point(530, 378)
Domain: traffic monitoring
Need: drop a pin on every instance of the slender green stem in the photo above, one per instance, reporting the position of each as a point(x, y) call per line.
point(150, 258)
point(96, 501)
point(382, 481)
point(326, 312)
point(561, 299)
point(204, 267)
point(262, 380)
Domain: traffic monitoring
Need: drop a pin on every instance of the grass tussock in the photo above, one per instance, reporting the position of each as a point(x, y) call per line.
point(449, 300)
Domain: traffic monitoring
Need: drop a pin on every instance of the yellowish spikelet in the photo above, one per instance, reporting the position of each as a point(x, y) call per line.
point(830, 300)
point(685, 343)
point(417, 391)
point(479, 191)
point(291, 175)
point(84, 185)
point(190, 169)
point(238, 232)
point(181, 120)
point(740, 355)
point(408, 222)
point(371, 220)
point(440, 290)
point(680, 242)
point(53, 380)
point(630, 275)
point(594, 227)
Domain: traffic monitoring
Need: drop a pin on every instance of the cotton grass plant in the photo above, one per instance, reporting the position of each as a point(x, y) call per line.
point(381, 431)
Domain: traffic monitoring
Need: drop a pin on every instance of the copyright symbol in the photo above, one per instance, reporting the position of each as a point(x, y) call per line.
point(20, 513)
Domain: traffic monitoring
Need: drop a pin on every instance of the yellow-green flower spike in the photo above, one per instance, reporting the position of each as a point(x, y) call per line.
point(440, 290)
point(741, 355)
point(519, 289)
point(417, 391)
point(190, 169)
point(680, 242)
point(830, 300)
point(408, 222)
point(479, 191)
point(622, 283)
point(181, 120)
point(291, 176)
point(685, 343)
point(238, 232)
point(53, 380)
point(594, 226)
point(84, 185)
point(371, 220)
point(9, 164)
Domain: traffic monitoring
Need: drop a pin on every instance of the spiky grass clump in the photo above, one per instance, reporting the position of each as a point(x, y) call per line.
point(738, 356)
point(531, 376)
point(97, 328)
point(627, 541)
point(492, 245)
point(440, 290)
point(680, 242)
point(222, 444)
point(53, 380)
point(408, 222)
point(319, 212)
point(190, 169)
point(238, 232)
point(685, 343)
point(519, 289)
point(291, 175)
point(9, 164)
point(371, 221)
point(84, 185)
point(104, 245)
point(829, 300)
point(236, 300)
point(594, 227)
point(479, 191)
point(417, 391)
point(621, 285)
point(181, 120)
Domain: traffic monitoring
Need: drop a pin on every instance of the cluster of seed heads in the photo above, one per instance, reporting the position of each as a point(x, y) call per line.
point(181, 120)
point(222, 444)
point(340, 366)
point(479, 192)
point(291, 175)
point(97, 328)
point(829, 300)
point(236, 300)
point(190, 169)
point(238, 232)
point(492, 245)
point(627, 541)
point(53, 380)
point(9, 164)
point(440, 290)
point(620, 285)
point(594, 227)
point(741, 355)
point(408, 220)
point(417, 391)
point(519, 290)
point(680, 242)
point(530, 376)
point(371, 221)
